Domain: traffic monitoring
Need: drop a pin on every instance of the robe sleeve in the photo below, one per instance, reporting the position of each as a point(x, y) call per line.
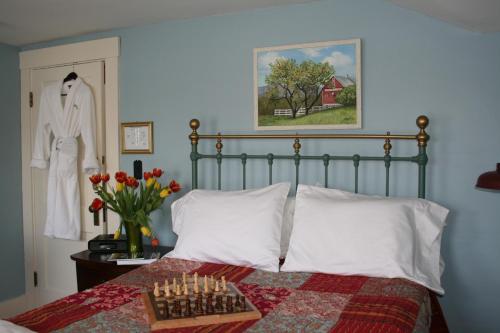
point(88, 133)
point(41, 144)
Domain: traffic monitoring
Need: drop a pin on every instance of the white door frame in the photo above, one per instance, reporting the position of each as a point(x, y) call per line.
point(107, 50)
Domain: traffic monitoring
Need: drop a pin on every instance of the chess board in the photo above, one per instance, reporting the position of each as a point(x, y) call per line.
point(198, 308)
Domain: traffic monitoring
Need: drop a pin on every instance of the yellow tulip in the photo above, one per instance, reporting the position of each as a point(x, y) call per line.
point(145, 231)
point(164, 193)
point(157, 186)
point(150, 182)
point(117, 234)
point(119, 187)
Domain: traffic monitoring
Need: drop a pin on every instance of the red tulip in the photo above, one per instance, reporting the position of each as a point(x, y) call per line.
point(157, 172)
point(95, 179)
point(105, 178)
point(155, 242)
point(121, 176)
point(174, 186)
point(131, 182)
point(96, 205)
point(148, 175)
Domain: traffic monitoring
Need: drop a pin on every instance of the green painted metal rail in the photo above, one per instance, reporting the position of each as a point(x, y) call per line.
point(421, 159)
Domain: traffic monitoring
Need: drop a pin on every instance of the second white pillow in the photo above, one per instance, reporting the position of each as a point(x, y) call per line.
point(342, 233)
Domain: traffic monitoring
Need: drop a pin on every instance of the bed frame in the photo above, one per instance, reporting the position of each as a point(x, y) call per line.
point(420, 159)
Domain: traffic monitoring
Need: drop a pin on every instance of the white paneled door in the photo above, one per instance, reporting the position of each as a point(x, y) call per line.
point(55, 271)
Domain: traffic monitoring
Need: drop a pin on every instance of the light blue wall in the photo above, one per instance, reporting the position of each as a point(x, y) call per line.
point(11, 232)
point(412, 64)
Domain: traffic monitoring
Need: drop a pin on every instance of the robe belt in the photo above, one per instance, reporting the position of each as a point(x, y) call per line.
point(66, 145)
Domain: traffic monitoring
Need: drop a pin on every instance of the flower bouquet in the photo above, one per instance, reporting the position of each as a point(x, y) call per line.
point(133, 201)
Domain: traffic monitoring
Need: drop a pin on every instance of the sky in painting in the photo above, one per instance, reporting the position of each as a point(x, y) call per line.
point(342, 57)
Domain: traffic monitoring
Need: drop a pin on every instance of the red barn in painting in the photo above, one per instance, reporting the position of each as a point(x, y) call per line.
point(334, 87)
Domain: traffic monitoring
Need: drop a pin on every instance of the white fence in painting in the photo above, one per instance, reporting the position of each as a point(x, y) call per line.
point(302, 111)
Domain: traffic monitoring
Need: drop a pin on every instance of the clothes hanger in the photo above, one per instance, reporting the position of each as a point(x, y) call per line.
point(70, 77)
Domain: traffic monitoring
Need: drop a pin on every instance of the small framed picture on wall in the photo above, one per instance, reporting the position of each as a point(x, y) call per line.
point(137, 137)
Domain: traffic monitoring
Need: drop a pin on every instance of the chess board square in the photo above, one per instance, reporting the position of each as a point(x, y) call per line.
point(278, 280)
point(303, 303)
point(378, 314)
point(278, 323)
point(334, 283)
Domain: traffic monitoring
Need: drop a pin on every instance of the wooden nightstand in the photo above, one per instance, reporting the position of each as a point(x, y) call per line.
point(93, 268)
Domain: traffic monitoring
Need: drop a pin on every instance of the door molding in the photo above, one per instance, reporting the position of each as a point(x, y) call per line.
point(106, 50)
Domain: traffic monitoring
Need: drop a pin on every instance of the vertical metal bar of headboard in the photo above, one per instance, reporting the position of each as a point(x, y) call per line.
point(356, 159)
point(218, 147)
point(296, 158)
point(194, 137)
point(326, 161)
point(387, 162)
point(270, 158)
point(244, 164)
point(422, 159)
point(219, 162)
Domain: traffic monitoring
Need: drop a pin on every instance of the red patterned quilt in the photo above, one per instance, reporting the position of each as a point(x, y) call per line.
point(289, 302)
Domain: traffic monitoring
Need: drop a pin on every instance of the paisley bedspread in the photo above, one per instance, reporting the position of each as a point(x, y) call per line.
point(289, 302)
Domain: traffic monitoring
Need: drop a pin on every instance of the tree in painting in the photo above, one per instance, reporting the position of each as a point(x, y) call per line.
point(300, 85)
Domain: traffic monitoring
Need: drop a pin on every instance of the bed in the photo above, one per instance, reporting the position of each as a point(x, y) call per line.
point(288, 301)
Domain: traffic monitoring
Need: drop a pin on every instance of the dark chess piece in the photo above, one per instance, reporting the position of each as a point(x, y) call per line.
point(187, 311)
point(177, 309)
point(229, 304)
point(237, 304)
point(218, 303)
point(167, 310)
point(209, 306)
point(198, 304)
point(243, 303)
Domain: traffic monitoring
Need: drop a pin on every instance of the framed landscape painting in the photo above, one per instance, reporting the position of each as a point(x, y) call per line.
point(308, 86)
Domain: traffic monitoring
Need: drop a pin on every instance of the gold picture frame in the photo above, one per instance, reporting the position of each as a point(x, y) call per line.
point(137, 137)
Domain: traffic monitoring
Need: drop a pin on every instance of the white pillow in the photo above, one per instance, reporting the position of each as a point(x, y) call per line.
point(338, 232)
point(235, 227)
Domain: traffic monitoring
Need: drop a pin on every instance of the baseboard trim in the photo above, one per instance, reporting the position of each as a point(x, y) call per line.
point(13, 306)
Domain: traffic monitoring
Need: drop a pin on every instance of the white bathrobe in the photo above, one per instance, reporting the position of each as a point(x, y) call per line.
point(60, 150)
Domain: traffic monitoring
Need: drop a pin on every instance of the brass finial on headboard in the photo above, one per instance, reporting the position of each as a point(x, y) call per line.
point(422, 136)
point(387, 144)
point(297, 145)
point(194, 124)
point(219, 145)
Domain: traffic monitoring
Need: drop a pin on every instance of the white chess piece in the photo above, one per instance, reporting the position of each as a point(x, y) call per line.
point(206, 285)
point(166, 288)
point(217, 289)
point(224, 284)
point(156, 292)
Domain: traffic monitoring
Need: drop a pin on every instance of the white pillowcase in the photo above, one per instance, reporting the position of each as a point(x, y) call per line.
point(338, 232)
point(235, 227)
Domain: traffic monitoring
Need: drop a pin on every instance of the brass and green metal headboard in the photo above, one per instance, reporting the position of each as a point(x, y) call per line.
point(420, 159)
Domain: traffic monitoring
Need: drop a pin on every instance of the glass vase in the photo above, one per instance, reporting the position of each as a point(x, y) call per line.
point(134, 240)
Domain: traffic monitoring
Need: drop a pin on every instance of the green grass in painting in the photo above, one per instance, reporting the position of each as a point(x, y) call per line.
point(336, 116)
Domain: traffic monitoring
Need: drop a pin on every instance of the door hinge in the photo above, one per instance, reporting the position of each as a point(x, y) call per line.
point(35, 279)
point(103, 160)
point(31, 99)
point(104, 72)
